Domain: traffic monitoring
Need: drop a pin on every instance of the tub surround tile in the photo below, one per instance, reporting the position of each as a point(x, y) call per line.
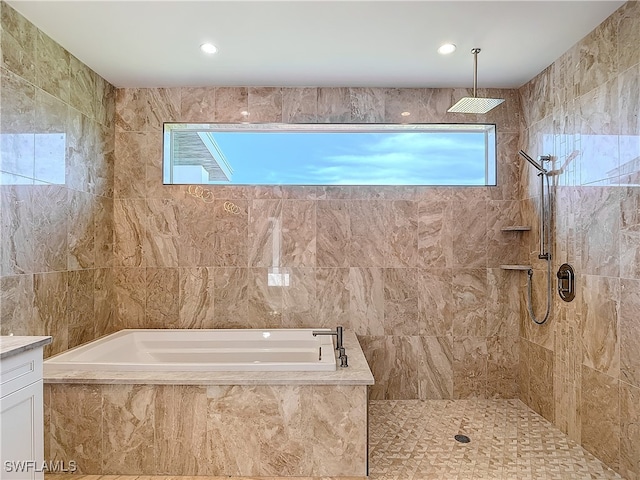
point(76, 426)
point(162, 290)
point(18, 250)
point(81, 230)
point(196, 311)
point(161, 241)
point(231, 304)
point(266, 309)
point(231, 234)
point(265, 233)
point(81, 306)
point(128, 428)
point(130, 226)
point(198, 104)
point(19, 38)
point(368, 233)
point(131, 148)
point(52, 67)
point(298, 233)
point(333, 233)
point(367, 105)
point(299, 299)
point(181, 412)
point(334, 105)
point(300, 105)
point(265, 104)
point(401, 234)
point(51, 309)
point(17, 306)
point(333, 299)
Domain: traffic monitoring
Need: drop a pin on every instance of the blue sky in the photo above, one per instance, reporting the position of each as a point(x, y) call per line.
point(329, 158)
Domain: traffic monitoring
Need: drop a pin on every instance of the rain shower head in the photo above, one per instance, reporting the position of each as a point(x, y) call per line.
point(538, 166)
point(475, 104)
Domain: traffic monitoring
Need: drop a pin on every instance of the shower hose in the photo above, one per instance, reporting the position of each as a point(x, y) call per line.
point(547, 233)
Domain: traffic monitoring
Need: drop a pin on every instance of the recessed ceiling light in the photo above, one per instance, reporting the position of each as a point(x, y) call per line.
point(405, 114)
point(446, 49)
point(208, 48)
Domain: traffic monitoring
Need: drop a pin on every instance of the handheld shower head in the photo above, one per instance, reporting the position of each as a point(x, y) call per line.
point(538, 166)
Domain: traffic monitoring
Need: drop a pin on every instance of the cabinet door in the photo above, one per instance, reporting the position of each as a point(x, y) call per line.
point(21, 429)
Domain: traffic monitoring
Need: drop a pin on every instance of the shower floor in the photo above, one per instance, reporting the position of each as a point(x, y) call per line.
point(413, 440)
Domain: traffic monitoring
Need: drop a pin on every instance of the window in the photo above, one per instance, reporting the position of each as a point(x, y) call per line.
point(329, 154)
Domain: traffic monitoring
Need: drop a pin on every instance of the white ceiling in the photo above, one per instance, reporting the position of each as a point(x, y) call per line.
point(316, 42)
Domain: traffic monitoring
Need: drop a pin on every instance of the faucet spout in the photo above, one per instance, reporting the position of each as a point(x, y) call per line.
point(337, 333)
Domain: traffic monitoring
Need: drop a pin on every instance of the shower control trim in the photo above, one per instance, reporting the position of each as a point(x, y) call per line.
point(566, 282)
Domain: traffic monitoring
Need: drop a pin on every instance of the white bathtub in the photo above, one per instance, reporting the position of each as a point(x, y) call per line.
point(202, 350)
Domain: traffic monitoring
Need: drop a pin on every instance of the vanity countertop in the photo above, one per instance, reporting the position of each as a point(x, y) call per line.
point(12, 345)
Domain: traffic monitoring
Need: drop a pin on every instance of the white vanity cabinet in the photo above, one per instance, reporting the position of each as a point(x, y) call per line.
point(21, 408)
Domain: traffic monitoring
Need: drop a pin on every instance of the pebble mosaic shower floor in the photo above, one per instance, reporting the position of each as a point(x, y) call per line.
point(414, 440)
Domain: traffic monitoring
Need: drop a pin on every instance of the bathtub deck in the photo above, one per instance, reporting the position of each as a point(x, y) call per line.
point(358, 373)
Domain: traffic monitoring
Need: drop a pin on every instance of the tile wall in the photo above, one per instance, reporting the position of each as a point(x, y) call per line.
point(56, 190)
point(582, 369)
point(413, 271)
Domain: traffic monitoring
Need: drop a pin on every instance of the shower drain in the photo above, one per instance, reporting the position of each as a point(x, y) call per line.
point(462, 439)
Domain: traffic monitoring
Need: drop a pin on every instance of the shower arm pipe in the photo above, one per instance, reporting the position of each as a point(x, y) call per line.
point(475, 52)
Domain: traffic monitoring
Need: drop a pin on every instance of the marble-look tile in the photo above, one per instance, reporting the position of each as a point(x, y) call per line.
point(52, 67)
point(231, 305)
point(81, 230)
point(145, 109)
point(265, 104)
point(436, 368)
point(394, 362)
point(17, 306)
point(298, 233)
point(503, 303)
point(469, 291)
point(540, 399)
point(400, 301)
point(103, 232)
point(598, 57)
point(626, 20)
point(162, 287)
point(600, 329)
point(502, 367)
point(265, 300)
point(300, 105)
point(17, 240)
point(265, 233)
point(82, 87)
point(503, 248)
point(105, 103)
point(400, 100)
point(81, 306)
point(128, 429)
point(180, 411)
point(50, 224)
point(366, 300)
point(18, 37)
point(104, 304)
point(230, 245)
point(154, 171)
point(469, 367)
point(333, 230)
point(630, 232)
point(76, 426)
point(630, 331)
point(401, 234)
point(523, 371)
point(196, 230)
point(334, 105)
point(629, 431)
point(338, 422)
point(299, 298)
point(198, 104)
point(333, 300)
point(230, 104)
point(162, 239)
point(368, 230)
point(51, 309)
point(130, 230)
point(196, 297)
point(435, 302)
point(18, 111)
point(269, 448)
point(600, 413)
point(102, 170)
point(131, 149)
point(367, 105)
point(130, 297)
point(83, 137)
point(470, 235)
